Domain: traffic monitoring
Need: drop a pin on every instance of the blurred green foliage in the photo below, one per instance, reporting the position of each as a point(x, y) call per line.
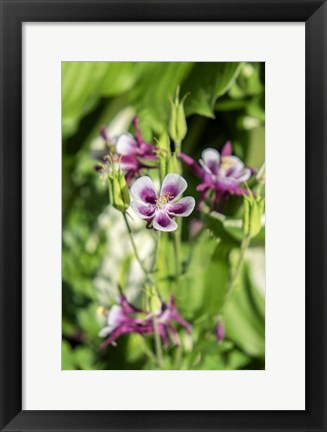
point(225, 102)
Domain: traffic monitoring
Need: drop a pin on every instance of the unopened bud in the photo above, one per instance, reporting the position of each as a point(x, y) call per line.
point(220, 331)
point(177, 122)
point(153, 300)
point(253, 211)
point(118, 190)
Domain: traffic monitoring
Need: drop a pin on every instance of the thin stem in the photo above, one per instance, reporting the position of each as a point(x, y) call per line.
point(134, 245)
point(177, 248)
point(155, 323)
point(157, 341)
point(156, 253)
point(244, 246)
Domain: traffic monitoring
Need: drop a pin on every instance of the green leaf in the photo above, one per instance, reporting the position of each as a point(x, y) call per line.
point(158, 81)
point(206, 83)
point(244, 322)
point(216, 279)
point(67, 360)
point(83, 83)
point(84, 358)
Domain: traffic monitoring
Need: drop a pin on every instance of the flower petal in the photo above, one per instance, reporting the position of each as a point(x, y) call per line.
point(162, 222)
point(144, 211)
point(211, 160)
point(194, 166)
point(227, 149)
point(144, 190)
point(244, 175)
point(173, 184)
point(183, 207)
point(129, 163)
point(126, 144)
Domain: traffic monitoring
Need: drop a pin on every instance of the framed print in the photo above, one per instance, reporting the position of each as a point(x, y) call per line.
point(163, 215)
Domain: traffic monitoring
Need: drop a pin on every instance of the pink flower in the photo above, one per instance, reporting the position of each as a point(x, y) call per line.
point(222, 172)
point(132, 153)
point(161, 209)
point(124, 318)
point(128, 145)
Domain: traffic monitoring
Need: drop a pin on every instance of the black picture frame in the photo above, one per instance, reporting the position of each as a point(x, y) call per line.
point(13, 14)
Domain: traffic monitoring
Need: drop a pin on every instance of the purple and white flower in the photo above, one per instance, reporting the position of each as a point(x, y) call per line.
point(120, 320)
point(128, 145)
point(124, 318)
point(161, 209)
point(132, 153)
point(221, 172)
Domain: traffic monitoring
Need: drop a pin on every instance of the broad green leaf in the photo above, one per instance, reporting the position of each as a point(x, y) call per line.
point(244, 322)
point(83, 83)
point(150, 96)
point(207, 82)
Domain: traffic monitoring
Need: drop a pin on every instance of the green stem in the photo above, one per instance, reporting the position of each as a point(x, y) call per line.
point(177, 251)
point(155, 323)
point(244, 246)
point(157, 341)
point(156, 253)
point(134, 245)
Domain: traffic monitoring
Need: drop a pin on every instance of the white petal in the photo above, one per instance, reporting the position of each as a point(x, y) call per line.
point(126, 144)
point(173, 184)
point(182, 207)
point(244, 176)
point(211, 159)
point(144, 211)
point(114, 317)
point(143, 189)
point(162, 222)
point(105, 332)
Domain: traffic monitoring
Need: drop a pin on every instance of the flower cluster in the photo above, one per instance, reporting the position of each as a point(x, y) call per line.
point(220, 173)
point(125, 318)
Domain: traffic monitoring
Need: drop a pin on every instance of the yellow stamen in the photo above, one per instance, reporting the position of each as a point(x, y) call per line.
point(164, 199)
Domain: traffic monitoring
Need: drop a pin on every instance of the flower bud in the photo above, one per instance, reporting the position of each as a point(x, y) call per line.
point(164, 154)
point(177, 122)
point(153, 300)
point(253, 211)
point(118, 190)
point(220, 331)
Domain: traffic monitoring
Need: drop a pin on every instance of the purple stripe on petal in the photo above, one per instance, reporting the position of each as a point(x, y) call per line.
point(144, 211)
point(162, 222)
point(183, 207)
point(211, 160)
point(244, 175)
point(144, 190)
point(174, 185)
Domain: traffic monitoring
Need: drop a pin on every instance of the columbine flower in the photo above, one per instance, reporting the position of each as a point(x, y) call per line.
point(125, 318)
point(160, 209)
point(128, 145)
point(165, 317)
point(133, 153)
point(222, 172)
point(120, 320)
